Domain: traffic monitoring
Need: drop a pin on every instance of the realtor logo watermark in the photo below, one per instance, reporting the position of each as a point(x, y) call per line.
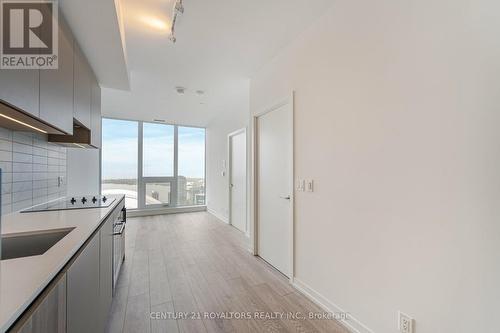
point(29, 34)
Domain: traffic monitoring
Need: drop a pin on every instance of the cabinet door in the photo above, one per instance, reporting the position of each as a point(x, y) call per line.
point(20, 87)
point(56, 85)
point(82, 87)
point(48, 314)
point(96, 114)
point(105, 272)
point(83, 290)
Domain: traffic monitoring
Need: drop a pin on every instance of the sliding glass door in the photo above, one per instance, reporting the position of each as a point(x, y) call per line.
point(191, 166)
point(120, 140)
point(169, 163)
point(158, 163)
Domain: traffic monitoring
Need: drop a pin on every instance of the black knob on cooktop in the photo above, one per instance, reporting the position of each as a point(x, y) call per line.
point(84, 200)
point(73, 200)
point(94, 199)
point(104, 198)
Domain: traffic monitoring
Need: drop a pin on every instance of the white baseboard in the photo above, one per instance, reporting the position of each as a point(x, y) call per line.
point(217, 215)
point(164, 211)
point(352, 324)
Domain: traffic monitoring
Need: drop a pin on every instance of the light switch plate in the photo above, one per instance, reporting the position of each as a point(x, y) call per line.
point(310, 185)
point(405, 323)
point(301, 185)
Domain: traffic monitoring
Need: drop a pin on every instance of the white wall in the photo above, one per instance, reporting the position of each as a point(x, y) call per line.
point(84, 176)
point(217, 150)
point(397, 121)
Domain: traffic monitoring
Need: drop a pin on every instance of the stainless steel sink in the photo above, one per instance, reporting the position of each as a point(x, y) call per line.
point(30, 244)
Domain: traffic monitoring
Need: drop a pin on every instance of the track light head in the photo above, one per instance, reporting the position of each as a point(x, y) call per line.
point(178, 10)
point(179, 7)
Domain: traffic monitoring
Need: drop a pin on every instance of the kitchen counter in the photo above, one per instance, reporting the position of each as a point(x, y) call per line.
point(23, 279)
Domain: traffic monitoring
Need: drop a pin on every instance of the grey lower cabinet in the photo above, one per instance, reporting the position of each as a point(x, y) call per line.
point(90, 282)
point(56, 85)
point(48, 314)
point(83, 290)
point(78, 300)
point(105, 272)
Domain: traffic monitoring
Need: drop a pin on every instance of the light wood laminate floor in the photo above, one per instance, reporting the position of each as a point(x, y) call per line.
point(195, 264)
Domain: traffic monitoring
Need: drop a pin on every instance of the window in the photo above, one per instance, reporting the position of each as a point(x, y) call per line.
point(158, 194)
point(158, 150)
point(119, 159)
point(168, 170)
point(191, 166)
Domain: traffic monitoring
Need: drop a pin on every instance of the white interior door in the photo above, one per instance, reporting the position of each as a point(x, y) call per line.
point(238, 180)
point(274, 187)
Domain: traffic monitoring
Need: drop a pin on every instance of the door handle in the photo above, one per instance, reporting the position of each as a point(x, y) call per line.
point(286, 198)
point(231, 185)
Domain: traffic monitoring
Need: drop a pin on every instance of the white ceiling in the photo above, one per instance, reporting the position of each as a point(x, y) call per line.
point(220, 43)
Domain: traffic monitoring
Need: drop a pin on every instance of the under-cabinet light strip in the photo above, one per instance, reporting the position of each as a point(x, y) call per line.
point(22, 123)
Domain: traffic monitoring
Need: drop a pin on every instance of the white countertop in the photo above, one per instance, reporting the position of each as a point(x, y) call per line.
point(23, 279)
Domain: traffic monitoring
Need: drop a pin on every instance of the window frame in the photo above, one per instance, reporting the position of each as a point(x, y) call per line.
point(173, 180)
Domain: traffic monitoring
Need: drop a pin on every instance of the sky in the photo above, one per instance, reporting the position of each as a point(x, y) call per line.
point(119, 150)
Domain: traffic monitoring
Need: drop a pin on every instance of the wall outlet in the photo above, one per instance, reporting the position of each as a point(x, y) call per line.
point(405, 323)
point(61, 181)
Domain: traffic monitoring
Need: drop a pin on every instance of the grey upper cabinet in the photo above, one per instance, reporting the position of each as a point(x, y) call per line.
point(95, 116)
point(20, 88)
point(82, 87)
point(58, 95)
point(105, 272)
point(83, 290)
point(48, 314)
point(56, 86)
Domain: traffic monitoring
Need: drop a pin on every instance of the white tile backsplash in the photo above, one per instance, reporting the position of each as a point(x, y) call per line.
point(5, 156)
point(31, 168)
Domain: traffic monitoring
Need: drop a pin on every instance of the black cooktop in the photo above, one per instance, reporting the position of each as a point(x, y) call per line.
point(91, 201)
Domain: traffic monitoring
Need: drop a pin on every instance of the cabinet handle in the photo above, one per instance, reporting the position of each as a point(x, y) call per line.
point(122, 226)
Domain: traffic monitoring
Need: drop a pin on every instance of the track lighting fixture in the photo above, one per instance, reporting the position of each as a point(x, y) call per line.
point(178, 10)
